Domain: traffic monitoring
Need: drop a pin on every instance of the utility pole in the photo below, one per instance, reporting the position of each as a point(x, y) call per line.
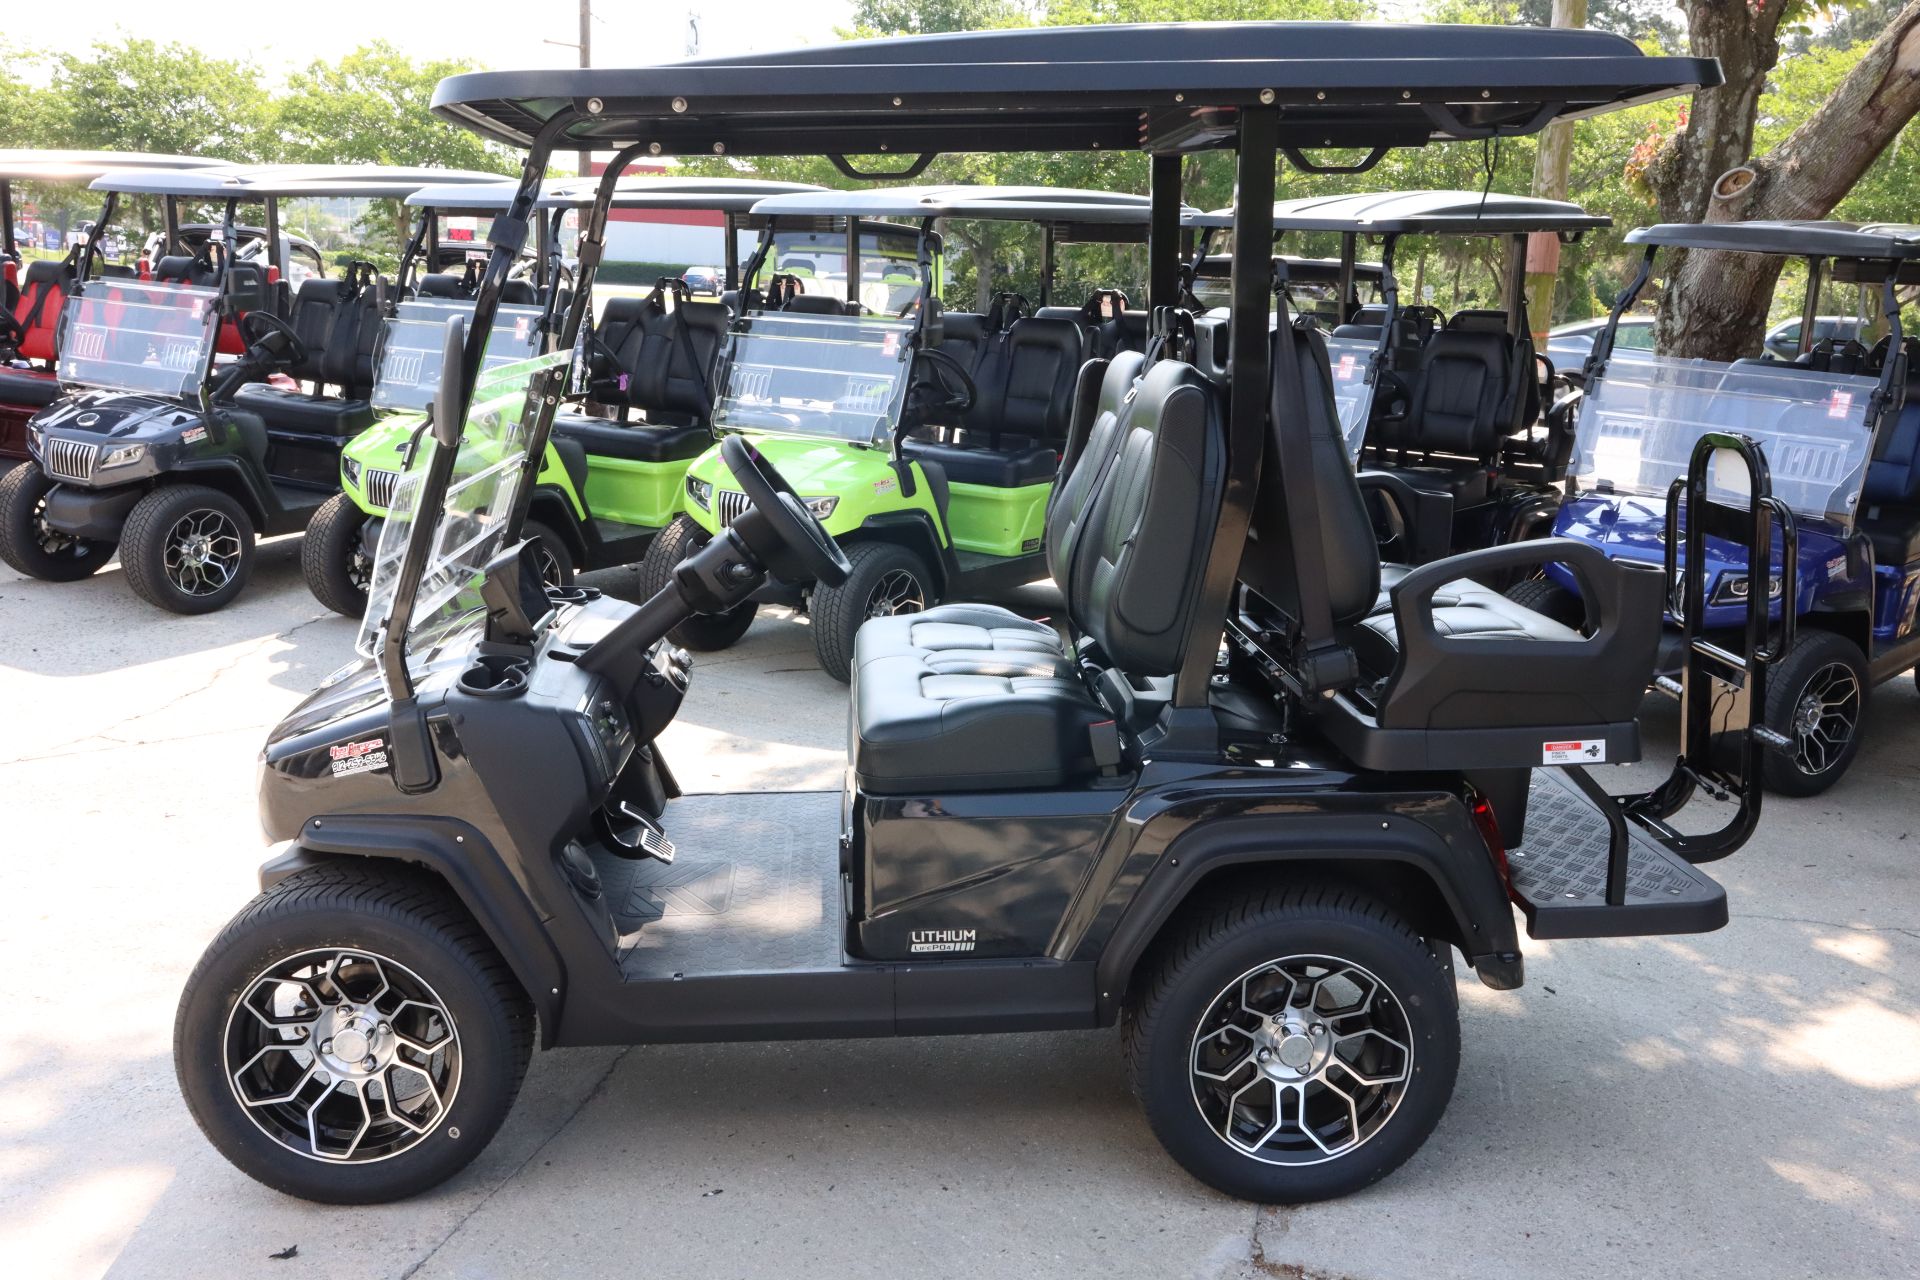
point(586, 60)
point(1550, 183)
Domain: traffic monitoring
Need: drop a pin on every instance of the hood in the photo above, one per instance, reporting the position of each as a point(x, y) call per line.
point(116, 415)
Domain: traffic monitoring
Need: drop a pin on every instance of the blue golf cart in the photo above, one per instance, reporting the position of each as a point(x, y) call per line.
point(1843, 448)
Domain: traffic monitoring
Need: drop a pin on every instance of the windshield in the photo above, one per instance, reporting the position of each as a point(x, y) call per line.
point(472, 521)
point(1638, 426)
point(409, 370)
point(838, 377)
point(128, 335)
point(889, 265)
point(1351, 360)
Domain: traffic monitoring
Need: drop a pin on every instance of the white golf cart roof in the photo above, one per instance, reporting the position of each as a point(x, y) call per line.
point(1862, 241)
point(27, 164)
point(258, 182)
point(1422, 213)
point(634, 191)
point(1010, 204)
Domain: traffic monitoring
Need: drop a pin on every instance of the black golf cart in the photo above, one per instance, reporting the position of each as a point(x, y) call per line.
point(1464, 429)
point(1261, 865)
point(1839, 426)
point(33, 291)
point(172, 444)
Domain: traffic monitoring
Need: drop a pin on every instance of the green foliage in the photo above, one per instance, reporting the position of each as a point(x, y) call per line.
point(371, 107)
point(924, 17)
point(140, 95)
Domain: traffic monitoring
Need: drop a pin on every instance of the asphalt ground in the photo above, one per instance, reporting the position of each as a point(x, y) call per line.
point(1740, 1104)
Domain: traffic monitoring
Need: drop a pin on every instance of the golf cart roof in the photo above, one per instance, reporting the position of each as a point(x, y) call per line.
point(1216, 266)
point(1870, 241)
point(634, 191)
point(1050, 205)
point(257, 182)
point(1422, 213)
point(26, 164)
point(1082, 88)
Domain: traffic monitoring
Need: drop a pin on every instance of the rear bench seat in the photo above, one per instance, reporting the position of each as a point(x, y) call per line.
point(1024, 378)
point(43, 290)
point(338, 322)
point(661, 363)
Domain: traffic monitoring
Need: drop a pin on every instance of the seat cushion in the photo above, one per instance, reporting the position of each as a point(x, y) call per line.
point(918, 728)
point(1894, 532)
point(32, 388)
point(1463, 609)
point(633, 441)
point(965, 637)
point(284, 409)
point(1001, 468)
point(1468, 485)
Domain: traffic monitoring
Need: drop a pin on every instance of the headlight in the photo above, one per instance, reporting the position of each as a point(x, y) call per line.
point(125, 455)
point(350, 469)
point(821, 507)
point(701, 492)
point(35, 439)
point(1732, 589)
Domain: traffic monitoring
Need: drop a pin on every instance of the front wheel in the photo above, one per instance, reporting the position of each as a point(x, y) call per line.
point(187, 548)
point(703, 633)
point(351, 1037)
point(336, 558)
point(1817, 699)
point(32, 546)
point(1297, 1046)
point(552, 553)
point(886, 579)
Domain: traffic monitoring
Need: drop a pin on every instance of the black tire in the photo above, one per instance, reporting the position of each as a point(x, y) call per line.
point(1231, 946)
point(159, 544)
point(881, 570)
point(1550, 600)
point(705, 633)
point(28, 545)
point(334, 557)
point(409, 920)
point(556, 558)
point(1830, 670)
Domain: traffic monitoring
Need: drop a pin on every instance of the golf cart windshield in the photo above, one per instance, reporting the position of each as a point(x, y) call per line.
point(409, 371)
point(1640, 421)
point(817, 258)
point(470, 524)
point(1352, 361)
point(835, 377)
point(131, 335)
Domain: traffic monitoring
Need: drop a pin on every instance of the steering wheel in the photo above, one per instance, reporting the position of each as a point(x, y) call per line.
point(275, 336)
point(775, 499)
point(952, 378)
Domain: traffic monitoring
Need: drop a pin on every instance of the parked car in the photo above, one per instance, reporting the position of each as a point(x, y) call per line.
point(1569, 345)
point(1783, 340)
point(703, 280)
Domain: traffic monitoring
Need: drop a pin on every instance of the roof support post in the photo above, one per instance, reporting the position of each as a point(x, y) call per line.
point(7, 244)
point(1518, 325)
point(1249, 358)
point(276, 257)
point(1046, 265)
point(1810, 310)
point(1349, 303)
point(1163, 232)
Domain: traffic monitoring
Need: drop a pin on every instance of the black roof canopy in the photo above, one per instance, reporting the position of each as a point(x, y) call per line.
point(1870, 241)
point(1159, 87)
point(1422, 213)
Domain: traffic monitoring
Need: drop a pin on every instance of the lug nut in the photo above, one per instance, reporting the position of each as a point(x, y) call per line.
point(386, 1028)
point(1265, 1055)
point(326, 1046)
point(368, 1063)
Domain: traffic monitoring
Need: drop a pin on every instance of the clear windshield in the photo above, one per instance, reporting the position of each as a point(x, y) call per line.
point(889, 264)
point(838, 377)
point(409, 370)
point(1351, 359)
point(471, 523)
point(129, 335)
point(1638, 426)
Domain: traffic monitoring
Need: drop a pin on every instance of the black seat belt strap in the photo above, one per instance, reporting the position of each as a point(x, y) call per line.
point(1292, 434)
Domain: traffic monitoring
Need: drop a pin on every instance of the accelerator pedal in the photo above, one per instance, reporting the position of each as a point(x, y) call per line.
point(632, 834)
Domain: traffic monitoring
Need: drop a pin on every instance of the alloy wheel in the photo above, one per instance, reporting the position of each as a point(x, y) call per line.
point(50, 539)
point(1301, 1060)
point(342, 1056)
point(1825, 718)
point(203, 550)
point(898, 591)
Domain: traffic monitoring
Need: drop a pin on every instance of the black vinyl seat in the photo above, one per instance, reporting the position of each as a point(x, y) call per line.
point(633, 441)
point(939, 720)
point(660, 361)
point(1000, 468)
point(29, 388)
point(1467, 393)
point(337, 322)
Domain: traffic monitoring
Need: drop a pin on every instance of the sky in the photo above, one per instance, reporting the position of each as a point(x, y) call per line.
point(492, 33)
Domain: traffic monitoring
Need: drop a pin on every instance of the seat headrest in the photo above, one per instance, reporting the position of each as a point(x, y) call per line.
point(1478, 322)
point(1042, 331)
point(439, 284)
point(178, 266)
point(519, 293)
point(46, 270)
point(815, 304)
point(1059, 313)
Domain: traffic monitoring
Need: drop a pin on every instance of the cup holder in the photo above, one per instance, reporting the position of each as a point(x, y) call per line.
point(496, 676)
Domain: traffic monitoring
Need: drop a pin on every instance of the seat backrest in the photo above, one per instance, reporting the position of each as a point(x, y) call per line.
point(1893, 473)
point(818, 304)
point(1089, 454)
point(665, 357)
point(1124, 332)
point(1463, 393)
point(962, 335)
point(440, 284)
point(1143, 553)
point(316, 314)
point(1039, 361)
point(1350, 557)
point(44, 287)
point(519, 293)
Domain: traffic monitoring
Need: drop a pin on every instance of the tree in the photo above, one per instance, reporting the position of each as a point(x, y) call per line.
point(924, 17)
point(1705, 170)
point(140, 95)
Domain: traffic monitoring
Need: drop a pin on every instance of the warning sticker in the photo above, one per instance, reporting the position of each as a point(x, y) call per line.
point(1838, 404)
point(1578, 751)
point(1344, 370)
point(358, 757)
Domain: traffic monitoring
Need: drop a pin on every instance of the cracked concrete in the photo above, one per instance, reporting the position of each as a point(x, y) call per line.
point(1734, 1105)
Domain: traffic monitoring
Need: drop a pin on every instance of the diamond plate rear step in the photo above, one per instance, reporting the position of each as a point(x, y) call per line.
point(1560, 874)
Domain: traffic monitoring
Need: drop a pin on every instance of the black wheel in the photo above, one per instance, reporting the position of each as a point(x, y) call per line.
point(336, 555)
point(886, 579)
point(1548, 599)
point(187, 548)
point(351, 1037)
point(705, 633)
point(28, 544)
point(1295, 1046)
point(1817, 698)
point(556, 559)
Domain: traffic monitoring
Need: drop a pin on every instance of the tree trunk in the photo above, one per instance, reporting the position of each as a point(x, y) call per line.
point(1715, 304)
point(1550, 183)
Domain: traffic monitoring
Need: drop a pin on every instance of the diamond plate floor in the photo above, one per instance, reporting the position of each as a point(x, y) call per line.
point(753, 888)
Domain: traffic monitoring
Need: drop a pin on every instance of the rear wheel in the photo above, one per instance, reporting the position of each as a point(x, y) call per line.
point(351, 1037)
point(334, 557)
point(1548, 599)
point(1817, 699)
point(28, 544)
point(556, 560)
point(887, 579)
point(707, 632)
point(1294, 1046)
point(187, 548)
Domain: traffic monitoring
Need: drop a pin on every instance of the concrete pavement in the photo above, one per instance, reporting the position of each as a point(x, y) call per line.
point(1739, 1104)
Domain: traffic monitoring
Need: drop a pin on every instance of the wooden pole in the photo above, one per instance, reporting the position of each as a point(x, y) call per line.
point(1550, 183)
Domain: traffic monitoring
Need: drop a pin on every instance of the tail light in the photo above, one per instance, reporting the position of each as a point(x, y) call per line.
point(1489, 827)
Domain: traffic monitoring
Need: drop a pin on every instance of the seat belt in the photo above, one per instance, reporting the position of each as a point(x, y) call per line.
point(1315, 646)
point(684, 334)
